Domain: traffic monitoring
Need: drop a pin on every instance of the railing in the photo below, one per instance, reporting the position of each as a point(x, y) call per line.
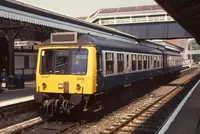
point(192, 52)
point(135, 19)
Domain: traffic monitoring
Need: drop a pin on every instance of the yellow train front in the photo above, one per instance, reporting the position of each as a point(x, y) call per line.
point(64, 73)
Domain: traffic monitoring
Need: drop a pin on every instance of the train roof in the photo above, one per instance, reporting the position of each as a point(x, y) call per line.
point(142, 47)
point(114, 44)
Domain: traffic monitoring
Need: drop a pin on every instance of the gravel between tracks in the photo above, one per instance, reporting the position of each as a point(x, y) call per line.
point(96, 127)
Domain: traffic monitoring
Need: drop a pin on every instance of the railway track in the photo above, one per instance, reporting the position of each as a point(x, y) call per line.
point(148, 118)
point(41, 125)
point(13, 114)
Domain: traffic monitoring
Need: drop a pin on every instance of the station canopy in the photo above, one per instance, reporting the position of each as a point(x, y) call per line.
point(186, 13)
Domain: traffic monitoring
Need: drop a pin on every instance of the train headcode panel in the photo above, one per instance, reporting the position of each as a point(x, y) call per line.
point(64, 38)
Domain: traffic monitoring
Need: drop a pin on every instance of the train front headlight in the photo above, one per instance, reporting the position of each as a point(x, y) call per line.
point(78, 86)
point(60, 85)
point(44, 85)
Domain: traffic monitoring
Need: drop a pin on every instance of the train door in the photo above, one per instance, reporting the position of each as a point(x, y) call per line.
point(99, 72)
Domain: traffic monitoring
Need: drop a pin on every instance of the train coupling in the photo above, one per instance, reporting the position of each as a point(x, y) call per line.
point(51, 106)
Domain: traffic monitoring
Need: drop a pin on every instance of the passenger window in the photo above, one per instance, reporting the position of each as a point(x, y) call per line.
point(120, 63)
point(155, 58)
point(134, 62)
point(158, 62)
point(144, 62)
point(149, 62)
point(161, 61)
point(139, 62)
point(152, 61)
point(109, 63)
point(127, 61)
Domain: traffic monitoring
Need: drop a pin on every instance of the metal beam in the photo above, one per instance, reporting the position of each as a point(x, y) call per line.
point(159, 30)
point(171, 7)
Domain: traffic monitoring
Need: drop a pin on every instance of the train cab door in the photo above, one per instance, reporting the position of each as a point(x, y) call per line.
point(99, 72)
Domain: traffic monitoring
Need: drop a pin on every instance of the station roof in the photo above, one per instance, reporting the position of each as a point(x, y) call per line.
point(126, 9)
point(186, 13)
point(14, 10)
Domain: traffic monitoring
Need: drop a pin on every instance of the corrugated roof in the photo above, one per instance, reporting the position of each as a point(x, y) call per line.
point(178, 42)
point(19, 11)
point(126, 9)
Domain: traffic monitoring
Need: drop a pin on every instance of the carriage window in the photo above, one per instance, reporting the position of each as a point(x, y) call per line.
point(139, 62)
point(154, 60)
point(144, 61)
point(149, 62)
point(134, 62)
point(161, 61)
point(109, 63)
point(127, 61)
point(158, 62)
point(120, 63)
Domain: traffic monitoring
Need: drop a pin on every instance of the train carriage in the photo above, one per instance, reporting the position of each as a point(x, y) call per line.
point(71, 70)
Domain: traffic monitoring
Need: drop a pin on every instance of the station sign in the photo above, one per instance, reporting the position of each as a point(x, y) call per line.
point(24, 43)
point(64, 38)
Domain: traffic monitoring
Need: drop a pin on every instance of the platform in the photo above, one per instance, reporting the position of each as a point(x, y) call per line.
point(186, 118)
point(10, 97)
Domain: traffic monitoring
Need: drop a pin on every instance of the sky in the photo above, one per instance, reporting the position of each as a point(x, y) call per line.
point(81, 8)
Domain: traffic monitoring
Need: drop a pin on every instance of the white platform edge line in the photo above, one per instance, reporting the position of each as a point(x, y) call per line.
point(15, 101)
point(175, 113)
point(185, 70)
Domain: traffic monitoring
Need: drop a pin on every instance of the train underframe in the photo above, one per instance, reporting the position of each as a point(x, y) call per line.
point(53, 103)
point(65, 103)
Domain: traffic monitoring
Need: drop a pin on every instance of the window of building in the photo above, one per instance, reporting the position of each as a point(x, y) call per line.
point(144, 61)
point(134, 62)
point(26, 61)
point(139, 62)
point(109, 63)
point(120, 63)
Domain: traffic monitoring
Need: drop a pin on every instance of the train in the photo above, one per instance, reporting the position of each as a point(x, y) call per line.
point(72, 70)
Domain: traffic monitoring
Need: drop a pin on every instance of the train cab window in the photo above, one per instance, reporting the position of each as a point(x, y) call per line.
point(144, 61)
point(134, 62)
point(120, 63)
point(149, 62)
point(154, 61)
point(64, 61)
point(139, 62)
point(109, 63)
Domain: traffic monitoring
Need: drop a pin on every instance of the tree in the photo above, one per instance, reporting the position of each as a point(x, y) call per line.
point(193, 45)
